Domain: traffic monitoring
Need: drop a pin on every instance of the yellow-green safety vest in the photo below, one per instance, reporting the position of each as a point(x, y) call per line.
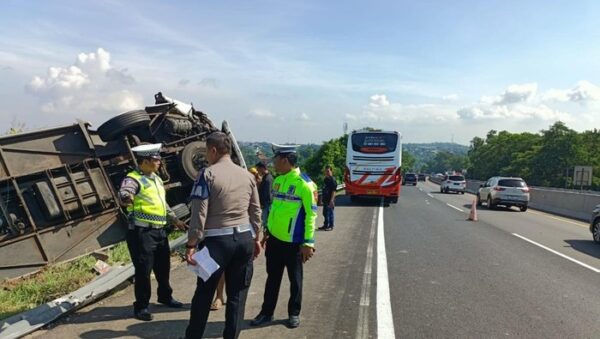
point(294, 208)
point(149, 204)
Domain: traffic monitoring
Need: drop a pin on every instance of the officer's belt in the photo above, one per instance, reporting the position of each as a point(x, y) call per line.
point(217, 232)
point(143, 224)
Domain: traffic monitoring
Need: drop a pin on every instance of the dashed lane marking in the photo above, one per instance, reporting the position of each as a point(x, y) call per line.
point(456, 208)
point(557, 253)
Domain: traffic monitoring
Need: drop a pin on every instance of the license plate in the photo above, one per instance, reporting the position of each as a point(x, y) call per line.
point(456, 184)
point(372, 192)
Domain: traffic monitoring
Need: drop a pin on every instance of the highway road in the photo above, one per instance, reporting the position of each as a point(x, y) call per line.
point(416, 269)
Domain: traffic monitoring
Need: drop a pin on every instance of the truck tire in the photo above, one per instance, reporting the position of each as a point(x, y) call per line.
point(117, 126)
point(193, 158)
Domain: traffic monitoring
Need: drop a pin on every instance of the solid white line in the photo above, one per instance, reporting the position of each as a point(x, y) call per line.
point(456, 208)
point(431, 195)
point(362, 328)
point(385, 321)
point(558, 253)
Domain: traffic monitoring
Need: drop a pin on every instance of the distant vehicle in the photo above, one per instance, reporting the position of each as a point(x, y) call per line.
point(58, 186)
point(505, 191)
point(453, 183)
point(410, 179)
point(422, 177)
point(595, 224)
point(373, 160)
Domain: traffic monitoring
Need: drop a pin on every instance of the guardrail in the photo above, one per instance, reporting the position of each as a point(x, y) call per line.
point(568, 203)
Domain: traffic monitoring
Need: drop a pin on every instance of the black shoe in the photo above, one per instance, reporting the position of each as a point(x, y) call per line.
point(323, 228)
point(293, 321)
point(171, 303)
point(329, 229)
point(143, 314)
point(261, 319)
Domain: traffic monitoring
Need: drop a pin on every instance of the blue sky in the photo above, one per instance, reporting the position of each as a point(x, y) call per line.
point(295, 72)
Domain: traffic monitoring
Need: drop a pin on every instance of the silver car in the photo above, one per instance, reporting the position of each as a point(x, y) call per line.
point(595, 224)
point(505, 191)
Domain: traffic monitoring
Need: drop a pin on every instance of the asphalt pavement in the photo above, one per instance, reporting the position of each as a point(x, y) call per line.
point(511, 274)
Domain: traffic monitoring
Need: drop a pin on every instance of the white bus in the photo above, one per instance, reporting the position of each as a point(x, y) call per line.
point(373, 164)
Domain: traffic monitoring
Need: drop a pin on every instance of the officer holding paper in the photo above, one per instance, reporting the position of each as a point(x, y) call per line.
point(226, 218)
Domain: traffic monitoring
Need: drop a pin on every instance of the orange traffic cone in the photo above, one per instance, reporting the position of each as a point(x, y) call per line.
point(473, 213)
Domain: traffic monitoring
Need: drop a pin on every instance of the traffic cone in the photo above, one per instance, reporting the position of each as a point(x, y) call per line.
point(473, 213)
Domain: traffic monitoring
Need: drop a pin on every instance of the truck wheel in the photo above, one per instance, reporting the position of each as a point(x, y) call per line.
point(117, 126)
point(193, 158)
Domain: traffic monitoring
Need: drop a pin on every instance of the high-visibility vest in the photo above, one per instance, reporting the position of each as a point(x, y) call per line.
point(294, 209)
point(150, 203)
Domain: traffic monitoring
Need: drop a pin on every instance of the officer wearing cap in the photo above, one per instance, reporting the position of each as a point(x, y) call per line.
point(226, 220)
point(143, 194)
point(290, 234)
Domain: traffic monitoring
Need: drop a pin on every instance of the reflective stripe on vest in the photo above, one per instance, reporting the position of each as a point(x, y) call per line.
point(149, 204)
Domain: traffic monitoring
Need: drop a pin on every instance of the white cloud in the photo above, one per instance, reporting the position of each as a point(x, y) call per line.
point(90, 85)
point(450, 97)
point(183, 82)
point(380, 109)
point(584, 91)
point(517, 93)
point(518, 111)
point(519, 101)
point(261, 114)
point(304, 117)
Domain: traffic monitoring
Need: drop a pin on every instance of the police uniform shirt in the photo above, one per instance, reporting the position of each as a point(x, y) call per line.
point(224, 195)
point(130, 187)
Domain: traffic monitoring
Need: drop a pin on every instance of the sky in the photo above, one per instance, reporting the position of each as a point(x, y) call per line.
point(283, 71)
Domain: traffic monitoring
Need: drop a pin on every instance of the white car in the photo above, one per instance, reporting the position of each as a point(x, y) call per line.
point(453, 183)
point(506, 191)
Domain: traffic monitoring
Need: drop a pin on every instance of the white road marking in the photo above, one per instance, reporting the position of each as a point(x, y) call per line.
point(362, 328)
point(581, 224)
point(557, 253)
point(431, 195)
point(456, 208)
point(385, 321)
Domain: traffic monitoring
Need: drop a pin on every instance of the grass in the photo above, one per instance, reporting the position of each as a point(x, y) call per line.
point(56, 281)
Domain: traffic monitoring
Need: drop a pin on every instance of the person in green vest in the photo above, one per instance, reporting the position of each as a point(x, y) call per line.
point(290, 234)
point(143, 194)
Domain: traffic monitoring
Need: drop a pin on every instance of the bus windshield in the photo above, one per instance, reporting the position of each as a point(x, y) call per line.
point(374, 142)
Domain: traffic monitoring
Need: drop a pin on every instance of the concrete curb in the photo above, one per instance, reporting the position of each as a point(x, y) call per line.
point(32, 320)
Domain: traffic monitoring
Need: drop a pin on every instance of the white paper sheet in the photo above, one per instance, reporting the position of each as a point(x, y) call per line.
point(206, 264)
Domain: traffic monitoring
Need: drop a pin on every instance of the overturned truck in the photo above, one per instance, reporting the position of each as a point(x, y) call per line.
point(58, 186)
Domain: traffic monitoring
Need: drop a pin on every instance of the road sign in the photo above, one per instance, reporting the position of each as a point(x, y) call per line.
point(582, 176)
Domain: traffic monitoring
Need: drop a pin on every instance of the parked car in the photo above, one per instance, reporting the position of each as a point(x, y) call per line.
point(505, 191)
point(410, 179)
point(595, 224)
point(453, 183)
point(422, 177)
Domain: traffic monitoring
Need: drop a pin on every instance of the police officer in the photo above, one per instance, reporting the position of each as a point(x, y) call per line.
point(143, 194)
point(226, 220)
point(290, 234)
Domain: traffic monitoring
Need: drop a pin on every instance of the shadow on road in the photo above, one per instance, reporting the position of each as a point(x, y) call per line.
point(167, 329)
point(588, 247)
point(344, 201)
point(103, 314)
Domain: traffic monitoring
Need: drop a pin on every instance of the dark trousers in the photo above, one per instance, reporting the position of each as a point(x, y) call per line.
point(328, 215)
point(234, 254)
point(282, 255)
point(149, 250)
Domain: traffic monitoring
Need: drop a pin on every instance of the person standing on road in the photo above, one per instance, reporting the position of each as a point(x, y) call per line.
point(265, 191)
point(290, 234)
point(226, 220)
point(328, 198)
point(143, 194)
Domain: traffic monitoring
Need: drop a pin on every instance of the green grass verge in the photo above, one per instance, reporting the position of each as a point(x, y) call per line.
point(56, 281)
